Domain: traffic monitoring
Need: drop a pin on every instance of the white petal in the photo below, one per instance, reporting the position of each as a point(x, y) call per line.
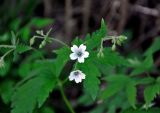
point(82, 47)
point(74, 48)
point(81, 59)
point(71, 76)
point(83, 76)
point(86, 54)
point(78, 80)
point(73, 56)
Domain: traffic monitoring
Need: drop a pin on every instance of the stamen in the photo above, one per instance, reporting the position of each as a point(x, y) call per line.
point(79, 53)
point(76, 73)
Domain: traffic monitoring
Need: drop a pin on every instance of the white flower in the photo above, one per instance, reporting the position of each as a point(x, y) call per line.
point(77, 76)
point(79, 53)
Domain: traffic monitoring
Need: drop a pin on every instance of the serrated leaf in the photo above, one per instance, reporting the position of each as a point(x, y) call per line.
point(61, 59)
point(152, 110)
point(91, 82)
point(146, 80)
point(94, 40)
point(146, 65)
point(22, 48)
point(111, 90)
point(154, 47)
point(112, 58)
point(151, 92)
point(6, 91)
point(131, 93)
point(4, 70)
point(31, 93)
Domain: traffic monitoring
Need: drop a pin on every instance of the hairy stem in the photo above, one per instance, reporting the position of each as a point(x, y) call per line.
point(53, 39)
point(7, 46)
point(7, 53)
point(65, 98)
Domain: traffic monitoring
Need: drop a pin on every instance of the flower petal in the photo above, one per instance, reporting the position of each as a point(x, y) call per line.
point(82, 47)
point(71, 76)
point(83, 76)
point(81, 59)
point(86, 54)
point(74, 48)
point(78, 80)
point(73, 56)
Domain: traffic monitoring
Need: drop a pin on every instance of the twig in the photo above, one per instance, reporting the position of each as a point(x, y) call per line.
point(68, 18)
point(145, 10)
point(86, 15)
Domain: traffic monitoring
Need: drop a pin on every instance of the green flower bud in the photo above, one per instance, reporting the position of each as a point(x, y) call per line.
point(100, 54)
point(32, 40)
point(40, 46)
point(118, 42)
point(40, 32)
point(113, 47)
point(43, 43)
point(122, 38)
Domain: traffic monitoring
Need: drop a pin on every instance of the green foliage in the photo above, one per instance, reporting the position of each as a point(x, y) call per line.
point(154, 47)
point(91, 83)
point(153, 110)
point(20, 48)
point(31, 93)
point(61, 60)
point(109, 80)
point(94, 40)
point(151, 92)
point(116, 83)
point(6, 90)
point(144, 66)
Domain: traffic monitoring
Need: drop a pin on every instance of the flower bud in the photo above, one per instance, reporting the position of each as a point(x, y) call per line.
point(40, 46)
point(113, 47)
point(32, 40)
point(43, 43)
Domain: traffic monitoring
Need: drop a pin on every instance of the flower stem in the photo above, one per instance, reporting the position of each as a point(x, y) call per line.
point(7, 53)
point(53, 39)
point(65, 98)
point(7, 46)
point(59, 41)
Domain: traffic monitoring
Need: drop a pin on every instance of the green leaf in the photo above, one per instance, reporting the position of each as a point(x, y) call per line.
point(131, 93)
point(41, 22)
point(117, 83)
point(91, 82)
point(94, 40)
point(111, 90)
point(4, 70)
point(145, 66)
point(146, 80)
point(151, 92)
point(6, 91)
point(112, 58)
point(21, 48)
point(154, 47)
point(152, 110)
point(61, 59)
point(31, 93)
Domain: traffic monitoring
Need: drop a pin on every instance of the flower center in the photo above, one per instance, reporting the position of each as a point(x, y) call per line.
point(76, 73)
point(79, 53)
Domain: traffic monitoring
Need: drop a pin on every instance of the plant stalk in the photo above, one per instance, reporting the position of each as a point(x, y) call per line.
point(65, 98)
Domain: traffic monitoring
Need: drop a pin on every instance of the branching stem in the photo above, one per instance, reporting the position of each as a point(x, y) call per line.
point(65, 98)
